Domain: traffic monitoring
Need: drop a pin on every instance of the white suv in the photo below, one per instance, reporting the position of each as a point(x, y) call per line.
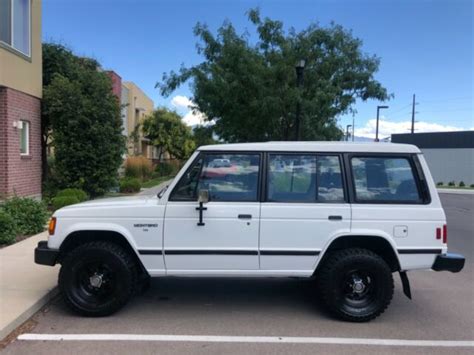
point(347, 214)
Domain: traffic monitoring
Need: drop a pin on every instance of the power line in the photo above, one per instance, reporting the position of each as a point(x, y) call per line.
point(401, 109)
point(451, 110)
point(450, 99)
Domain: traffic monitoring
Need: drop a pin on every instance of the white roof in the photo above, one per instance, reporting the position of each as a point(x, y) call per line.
point(316, 147)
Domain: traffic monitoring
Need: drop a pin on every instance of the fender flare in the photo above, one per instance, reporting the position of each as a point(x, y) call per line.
point(361, 234)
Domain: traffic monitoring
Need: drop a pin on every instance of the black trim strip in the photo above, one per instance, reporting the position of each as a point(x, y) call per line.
point(290, 252)
point(210, 252)
point(419, 251)
point(150, 252)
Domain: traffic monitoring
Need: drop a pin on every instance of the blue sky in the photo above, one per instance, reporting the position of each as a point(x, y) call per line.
point(426, 47)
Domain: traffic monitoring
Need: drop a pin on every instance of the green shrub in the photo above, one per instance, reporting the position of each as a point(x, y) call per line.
point(462, 184)
point(440, 183)
point(472, 185)
point(451, 183)
point(62, 201)
point(7, 228)
point(166, 169)
point(138, 167)
point(30, 216)
point(130, 185)
point(78, 193)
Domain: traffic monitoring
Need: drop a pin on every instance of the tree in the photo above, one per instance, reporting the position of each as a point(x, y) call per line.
point(57, 59)
point(85, 124)
point(250, 90)
point(168, 133)
point(203, 135)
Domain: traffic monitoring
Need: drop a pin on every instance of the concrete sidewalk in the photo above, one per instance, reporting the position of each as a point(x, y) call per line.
point(456, 191)
point(24, 286)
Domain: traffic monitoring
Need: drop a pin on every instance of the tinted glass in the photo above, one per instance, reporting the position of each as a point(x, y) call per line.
point(304, 178)
point(230, 177)
point(227, 177)
point(186, 189)
point(384, 179)
point(330, 188)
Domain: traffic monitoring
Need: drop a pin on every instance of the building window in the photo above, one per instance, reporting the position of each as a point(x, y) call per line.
point(15, 24)
point(25, 138)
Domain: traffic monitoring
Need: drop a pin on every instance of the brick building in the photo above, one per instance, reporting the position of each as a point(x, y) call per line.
point(20, 98)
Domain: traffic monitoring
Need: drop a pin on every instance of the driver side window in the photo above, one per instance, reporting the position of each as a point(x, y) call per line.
point(187, 187)
point(227, 177)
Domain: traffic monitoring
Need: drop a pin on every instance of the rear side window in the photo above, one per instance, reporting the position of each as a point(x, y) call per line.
point(384, 179)
point(304, 178)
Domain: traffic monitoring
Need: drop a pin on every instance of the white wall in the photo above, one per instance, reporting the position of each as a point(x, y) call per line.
point(451, 164)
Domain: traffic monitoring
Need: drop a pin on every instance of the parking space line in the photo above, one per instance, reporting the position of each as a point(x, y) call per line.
point(245, 339)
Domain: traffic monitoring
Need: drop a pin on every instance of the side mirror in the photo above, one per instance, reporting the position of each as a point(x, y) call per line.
point(203, 196)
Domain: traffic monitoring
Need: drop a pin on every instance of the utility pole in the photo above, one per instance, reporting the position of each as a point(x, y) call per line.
point(353, 127)
point(299, 82)
point(377, 124)
point(413, 115)
point(347, 132)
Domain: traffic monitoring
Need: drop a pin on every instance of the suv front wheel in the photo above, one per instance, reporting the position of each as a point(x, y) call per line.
point(97, 278)
point(355, 284)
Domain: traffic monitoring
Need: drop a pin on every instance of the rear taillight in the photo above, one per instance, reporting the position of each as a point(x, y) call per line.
point(445, 234)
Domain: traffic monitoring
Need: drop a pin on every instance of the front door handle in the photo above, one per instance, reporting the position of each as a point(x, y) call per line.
point(245, 216)
point(335, 218)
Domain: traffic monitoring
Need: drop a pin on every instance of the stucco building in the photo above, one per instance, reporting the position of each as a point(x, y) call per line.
point(136, 106)
point(450, 155)
point(20, 98)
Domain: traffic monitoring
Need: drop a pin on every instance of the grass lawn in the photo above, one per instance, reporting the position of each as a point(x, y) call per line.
point(155, 181)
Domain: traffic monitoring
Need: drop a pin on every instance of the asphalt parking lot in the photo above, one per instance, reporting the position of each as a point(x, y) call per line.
point(442, 309)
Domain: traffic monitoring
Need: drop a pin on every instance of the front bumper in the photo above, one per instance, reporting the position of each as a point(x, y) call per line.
point(44, 255)
point(449, 262)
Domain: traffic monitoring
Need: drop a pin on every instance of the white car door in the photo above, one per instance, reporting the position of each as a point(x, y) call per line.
point(303, 209)
point(223, 234)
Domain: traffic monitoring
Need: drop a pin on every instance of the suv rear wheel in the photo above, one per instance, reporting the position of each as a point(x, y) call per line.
point(355, 284)
point(97, 278)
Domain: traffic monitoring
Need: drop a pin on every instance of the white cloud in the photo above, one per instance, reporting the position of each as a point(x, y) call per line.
point(180, 101)
point(194, 118)
point(386, 128)
point(190, 117)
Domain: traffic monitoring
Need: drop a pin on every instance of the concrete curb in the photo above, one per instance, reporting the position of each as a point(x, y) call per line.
point(28, 313)
point(456, 191)
point(25, 287)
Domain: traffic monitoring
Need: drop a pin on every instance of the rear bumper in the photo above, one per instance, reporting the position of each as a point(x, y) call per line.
point(44, 255)
point(449, 262)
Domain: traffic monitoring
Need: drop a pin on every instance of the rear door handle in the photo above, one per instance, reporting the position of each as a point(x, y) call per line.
point(245, 216)
point(335, 218)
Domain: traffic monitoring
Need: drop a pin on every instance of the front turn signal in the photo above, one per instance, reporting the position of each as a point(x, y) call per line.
point(52, 225)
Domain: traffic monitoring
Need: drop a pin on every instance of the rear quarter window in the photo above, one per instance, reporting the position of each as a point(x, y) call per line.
point(384, 179)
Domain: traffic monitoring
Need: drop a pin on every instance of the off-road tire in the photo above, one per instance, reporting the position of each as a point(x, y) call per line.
point(333, 285)
point(111, 260)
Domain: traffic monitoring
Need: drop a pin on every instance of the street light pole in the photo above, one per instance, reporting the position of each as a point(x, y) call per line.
point(299, 83)
point(347, 132)
point(377, 124)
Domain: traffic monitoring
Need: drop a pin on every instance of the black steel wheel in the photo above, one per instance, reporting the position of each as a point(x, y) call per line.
point(355, 284)
point(97, 278)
